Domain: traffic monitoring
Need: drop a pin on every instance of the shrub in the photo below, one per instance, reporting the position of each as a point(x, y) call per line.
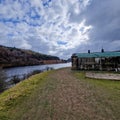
point(15, 79)
point(2, 80)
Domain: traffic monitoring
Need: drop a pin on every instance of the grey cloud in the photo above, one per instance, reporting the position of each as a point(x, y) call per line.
point(104, 16)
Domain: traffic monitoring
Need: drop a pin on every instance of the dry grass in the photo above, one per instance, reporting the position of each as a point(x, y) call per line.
point(64, 95)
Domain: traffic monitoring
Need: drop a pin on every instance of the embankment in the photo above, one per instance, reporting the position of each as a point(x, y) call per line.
point(61, 94)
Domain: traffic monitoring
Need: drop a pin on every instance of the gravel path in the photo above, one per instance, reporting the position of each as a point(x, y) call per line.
point(69, 97)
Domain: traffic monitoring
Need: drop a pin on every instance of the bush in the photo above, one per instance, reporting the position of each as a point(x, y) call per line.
point(15, 79)
point(2, 80)
point(36, 72)
point(49, 68)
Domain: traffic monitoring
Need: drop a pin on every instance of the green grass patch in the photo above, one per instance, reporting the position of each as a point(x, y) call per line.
point(108, 84)
point(105, 94)
point(14, 96)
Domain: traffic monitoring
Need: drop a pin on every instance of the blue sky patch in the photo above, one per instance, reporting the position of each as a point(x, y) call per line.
point(61, 42)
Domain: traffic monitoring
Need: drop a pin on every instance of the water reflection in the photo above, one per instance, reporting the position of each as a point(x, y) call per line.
point(20, 71)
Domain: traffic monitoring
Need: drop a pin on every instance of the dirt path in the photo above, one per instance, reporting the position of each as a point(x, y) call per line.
point(65, 97)
point(69, 98)
point(74, 99)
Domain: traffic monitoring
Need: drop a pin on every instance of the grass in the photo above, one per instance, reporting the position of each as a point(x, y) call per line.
point(14, 97)
point(107, 84)
point(105, 94)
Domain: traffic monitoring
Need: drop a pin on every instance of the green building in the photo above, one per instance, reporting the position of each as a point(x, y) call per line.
point(109, 61)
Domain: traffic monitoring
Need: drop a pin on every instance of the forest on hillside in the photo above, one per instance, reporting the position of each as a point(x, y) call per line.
point(11, 57)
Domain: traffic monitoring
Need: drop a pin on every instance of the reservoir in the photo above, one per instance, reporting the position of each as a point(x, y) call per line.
point(20, 71)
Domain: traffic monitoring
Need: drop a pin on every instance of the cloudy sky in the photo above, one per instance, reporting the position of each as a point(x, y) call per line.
point(60, 27)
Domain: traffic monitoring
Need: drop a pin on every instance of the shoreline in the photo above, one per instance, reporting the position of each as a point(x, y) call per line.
point(4, 67)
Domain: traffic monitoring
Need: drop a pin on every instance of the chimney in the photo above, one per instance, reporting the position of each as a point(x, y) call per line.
point(89, 51)
point(102, 50)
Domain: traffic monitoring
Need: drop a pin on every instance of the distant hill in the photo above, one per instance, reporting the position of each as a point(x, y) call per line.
point(11, 57)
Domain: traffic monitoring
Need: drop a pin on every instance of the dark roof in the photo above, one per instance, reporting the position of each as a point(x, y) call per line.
point(97, 54)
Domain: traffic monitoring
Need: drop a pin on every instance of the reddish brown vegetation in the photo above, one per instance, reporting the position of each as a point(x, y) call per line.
point(10, 57)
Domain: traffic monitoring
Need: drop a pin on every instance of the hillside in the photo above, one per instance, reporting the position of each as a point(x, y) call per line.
point(61, 95)
point(10, 57)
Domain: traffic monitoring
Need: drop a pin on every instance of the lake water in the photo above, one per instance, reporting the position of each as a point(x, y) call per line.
point(19, 71)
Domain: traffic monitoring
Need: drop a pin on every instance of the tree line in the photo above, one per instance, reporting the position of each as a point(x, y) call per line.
point(11, 56)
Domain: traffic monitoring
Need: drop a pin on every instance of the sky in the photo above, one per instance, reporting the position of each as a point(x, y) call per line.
point(60, 27)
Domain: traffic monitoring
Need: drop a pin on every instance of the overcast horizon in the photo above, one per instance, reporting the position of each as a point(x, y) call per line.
point(60, 27)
